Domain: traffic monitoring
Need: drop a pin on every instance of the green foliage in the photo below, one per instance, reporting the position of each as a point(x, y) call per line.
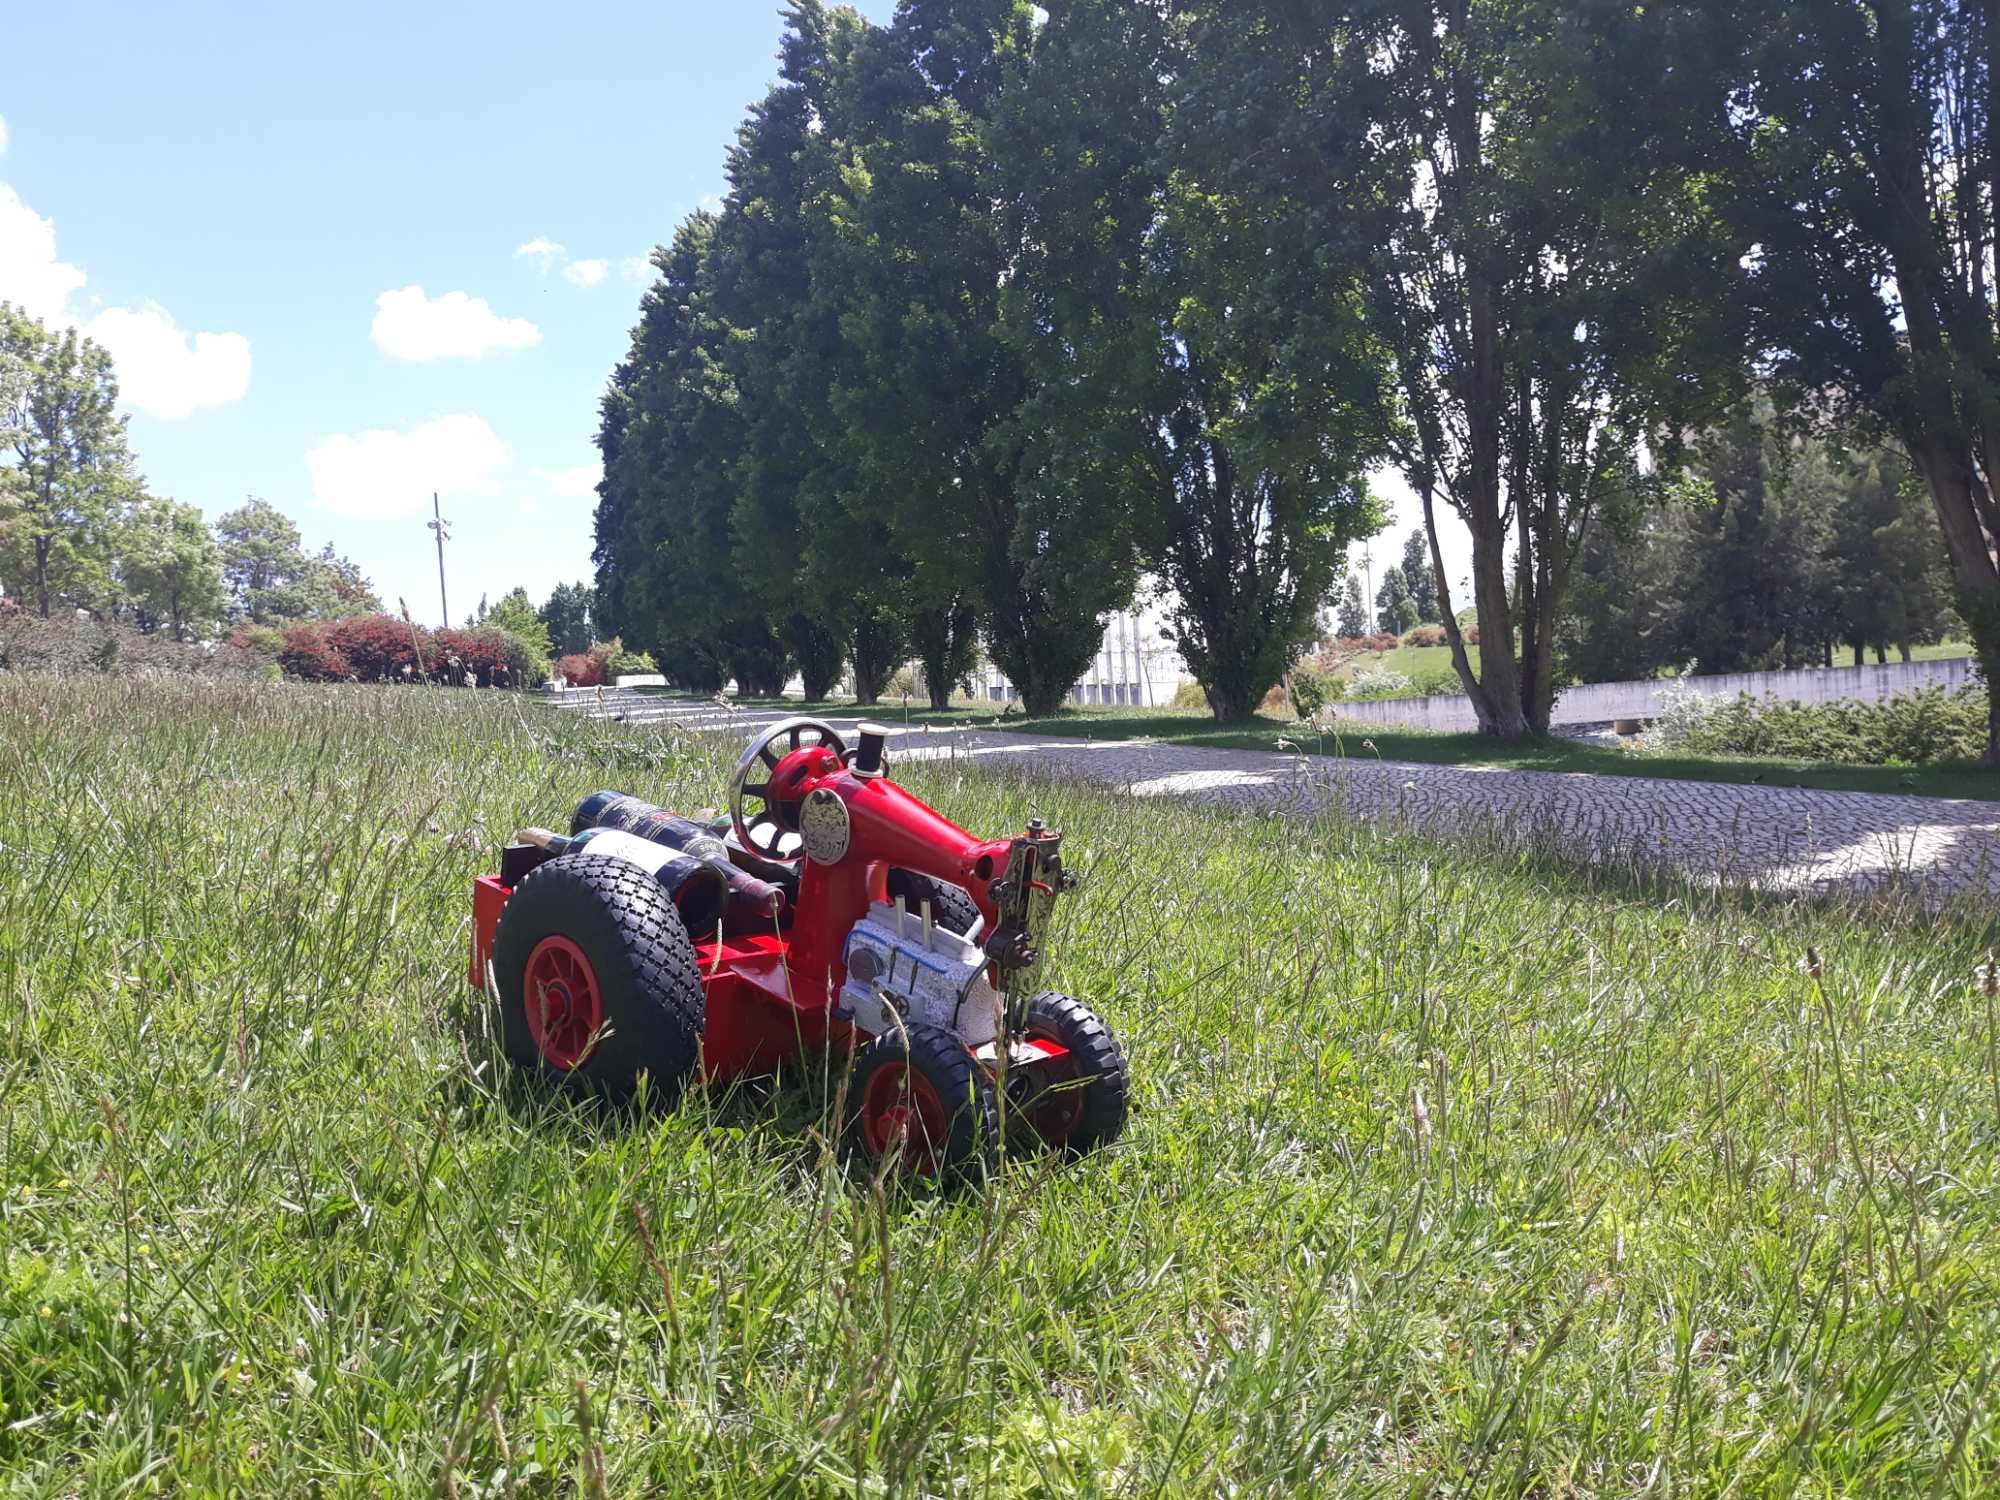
point(1538, 257)
point(516, 614)
point(1919, 728)
point(1312, 689)
point(273, 580)
point(1780, 548)
point(1420, 579)
point(1866, 135)
point(169, 570)
point(67, 479)
point(624, 663)
point(1351, 623)
point(566, 616)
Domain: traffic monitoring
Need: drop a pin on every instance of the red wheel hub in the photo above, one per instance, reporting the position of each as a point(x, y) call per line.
point(902, 1113)
point(560, 995)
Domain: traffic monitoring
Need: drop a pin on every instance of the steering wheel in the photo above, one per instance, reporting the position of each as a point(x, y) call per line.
point(773, 831)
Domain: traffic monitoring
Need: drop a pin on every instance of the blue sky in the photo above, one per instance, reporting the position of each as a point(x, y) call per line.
point(222, 193)
point(346, 257)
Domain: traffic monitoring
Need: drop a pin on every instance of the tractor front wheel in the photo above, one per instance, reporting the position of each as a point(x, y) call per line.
point(1075, 1103)
point(919, 1104)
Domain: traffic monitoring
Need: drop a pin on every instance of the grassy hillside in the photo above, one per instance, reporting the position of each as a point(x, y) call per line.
point(1447, 1172)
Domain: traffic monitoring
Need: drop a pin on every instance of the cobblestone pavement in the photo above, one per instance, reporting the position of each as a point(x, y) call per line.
point(1768, 836)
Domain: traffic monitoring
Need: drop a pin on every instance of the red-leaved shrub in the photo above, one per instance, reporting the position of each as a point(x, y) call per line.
point(1426, 635)
point(582, 671)
point(310, 653)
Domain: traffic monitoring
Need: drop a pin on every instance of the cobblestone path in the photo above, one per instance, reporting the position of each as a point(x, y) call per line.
point(1743, 834)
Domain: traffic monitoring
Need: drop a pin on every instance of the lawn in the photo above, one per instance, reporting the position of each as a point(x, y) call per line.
point(1449, 1171)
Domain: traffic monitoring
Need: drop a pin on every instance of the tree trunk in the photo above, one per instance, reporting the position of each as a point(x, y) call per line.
point(875, 650)
point(1230, 704)
point(42, 573)
point(1461, 663)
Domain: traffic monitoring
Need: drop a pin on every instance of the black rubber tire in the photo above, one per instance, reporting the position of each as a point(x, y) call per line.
point(970, 1149)
point(1096, 1073)
point(640, 956)
point(952, 907)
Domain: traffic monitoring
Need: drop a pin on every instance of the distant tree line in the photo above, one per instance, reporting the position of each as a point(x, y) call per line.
point(79, 530)
point(977, 340)
point(1010, 307)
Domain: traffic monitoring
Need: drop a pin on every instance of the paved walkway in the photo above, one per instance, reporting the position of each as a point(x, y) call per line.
point(1750, 835)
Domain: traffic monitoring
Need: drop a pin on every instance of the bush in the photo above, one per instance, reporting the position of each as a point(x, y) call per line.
point(1919, 728)
point(260, 640)
point(1441, 683)
point(631, 663)
point(66, 644)
point(311, 654)
point(1190, 695)
point(1384, 641)
point(1313, 689)
point(1427, 635)
point(377, 647)
point(1374, 683)
point(582, 671)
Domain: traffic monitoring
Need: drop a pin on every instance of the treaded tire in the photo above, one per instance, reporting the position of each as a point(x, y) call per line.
point(1077, 1103)
point(952, 907)
point(647, 985)
point(925, 1089)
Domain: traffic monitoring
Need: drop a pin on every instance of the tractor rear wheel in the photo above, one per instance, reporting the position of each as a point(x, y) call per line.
point(952, 907)
point(919, 1104)
point(1078, 1102)
point(598, 981)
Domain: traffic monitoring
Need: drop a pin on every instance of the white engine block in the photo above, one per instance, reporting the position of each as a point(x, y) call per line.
point(895, 968)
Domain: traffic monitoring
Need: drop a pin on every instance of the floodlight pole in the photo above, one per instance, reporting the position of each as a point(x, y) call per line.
point(437, 524)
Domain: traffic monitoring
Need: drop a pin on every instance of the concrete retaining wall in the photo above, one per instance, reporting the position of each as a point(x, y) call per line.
point(1604, 702)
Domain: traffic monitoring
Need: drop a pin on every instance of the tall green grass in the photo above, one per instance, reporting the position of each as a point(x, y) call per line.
point(1448, 1173)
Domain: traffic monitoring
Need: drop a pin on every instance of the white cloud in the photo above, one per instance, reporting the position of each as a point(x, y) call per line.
point(637, 269)
point(578, 483)
point(30, 275)
point(3, 135)
point(411, 325)
point(163, 370)
point(585, 272)
point(544, 252)
point(378, 475)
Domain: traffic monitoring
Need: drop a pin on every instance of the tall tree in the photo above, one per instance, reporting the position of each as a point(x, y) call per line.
point(1264, 392)
point(1871, 131)
point(263, 555)
point(1352, 621)
point(1420, 578)
point(171, 571)
point(966, 197)
point(668, 426)
point(1393, 600)
point(811, 538)
point(566, 617)
point(1543, 263)
point(69, 474)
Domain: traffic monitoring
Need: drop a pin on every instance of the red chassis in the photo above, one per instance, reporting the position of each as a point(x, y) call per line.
point(945, 1048)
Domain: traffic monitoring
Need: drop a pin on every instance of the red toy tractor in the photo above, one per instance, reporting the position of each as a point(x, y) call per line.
point(899, 937)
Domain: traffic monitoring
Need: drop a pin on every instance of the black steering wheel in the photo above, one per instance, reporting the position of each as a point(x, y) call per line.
point(772, 831)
